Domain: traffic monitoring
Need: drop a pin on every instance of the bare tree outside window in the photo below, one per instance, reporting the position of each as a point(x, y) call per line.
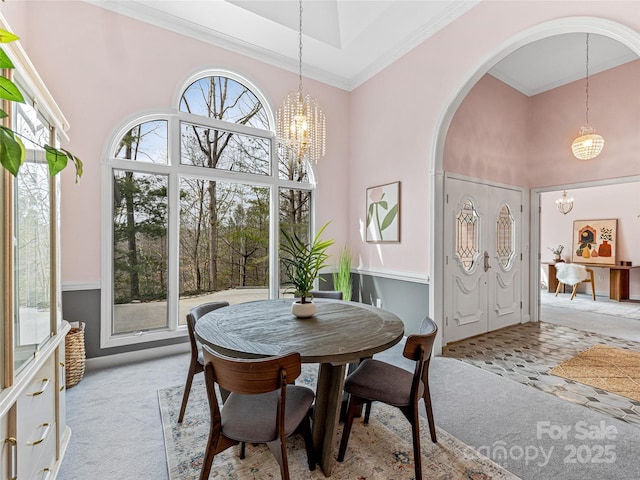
point(223, 181)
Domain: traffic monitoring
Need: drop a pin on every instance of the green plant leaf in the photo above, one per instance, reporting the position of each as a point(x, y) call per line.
point(383, 204)
point(78, 163)
point(5, 61)
point(389, 217)
point(9, 91)
point(3, 114)
point(12, 151)
point(7, 37)
point(56, 159)
point(302, 260)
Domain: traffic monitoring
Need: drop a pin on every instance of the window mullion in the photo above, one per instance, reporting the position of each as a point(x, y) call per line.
point(173, 247)
point(274, 226)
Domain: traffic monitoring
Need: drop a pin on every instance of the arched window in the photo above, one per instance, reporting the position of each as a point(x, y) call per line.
point(196, 196)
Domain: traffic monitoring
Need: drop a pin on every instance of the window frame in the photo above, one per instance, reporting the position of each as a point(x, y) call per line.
point(174, 171)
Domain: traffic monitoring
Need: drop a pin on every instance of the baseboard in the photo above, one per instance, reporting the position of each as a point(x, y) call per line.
point(108, 361)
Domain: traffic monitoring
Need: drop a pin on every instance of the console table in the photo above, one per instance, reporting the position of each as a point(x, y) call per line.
point(618, 279)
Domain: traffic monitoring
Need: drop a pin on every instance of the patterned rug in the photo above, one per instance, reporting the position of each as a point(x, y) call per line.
point(612, 369)
point(380, 450)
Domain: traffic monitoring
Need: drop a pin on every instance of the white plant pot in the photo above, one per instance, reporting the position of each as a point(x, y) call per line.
point(303, 310)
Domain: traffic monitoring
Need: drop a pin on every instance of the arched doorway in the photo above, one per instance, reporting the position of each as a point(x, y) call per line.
point(616, 31)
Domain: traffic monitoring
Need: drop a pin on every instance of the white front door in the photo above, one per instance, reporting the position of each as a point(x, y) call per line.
point(483, 258)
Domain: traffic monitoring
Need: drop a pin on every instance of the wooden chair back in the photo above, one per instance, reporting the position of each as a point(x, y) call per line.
point(418, 348)
point(252, 376)
point(192, 318)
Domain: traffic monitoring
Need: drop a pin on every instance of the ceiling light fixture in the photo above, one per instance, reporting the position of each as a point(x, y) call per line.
point(589, 144)
point(564, 204)
point(301, 131)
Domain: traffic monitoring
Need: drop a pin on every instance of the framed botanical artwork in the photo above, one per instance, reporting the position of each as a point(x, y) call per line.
point(594, 241)
point(383, 213)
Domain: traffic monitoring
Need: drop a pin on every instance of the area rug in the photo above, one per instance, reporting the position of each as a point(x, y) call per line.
point(380, 450)
point(615, 370)
point(585, 303)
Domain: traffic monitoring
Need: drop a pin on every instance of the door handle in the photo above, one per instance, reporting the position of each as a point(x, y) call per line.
point(486, 261)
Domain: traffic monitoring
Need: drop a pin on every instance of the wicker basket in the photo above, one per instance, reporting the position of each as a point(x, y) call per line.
point(74, 356)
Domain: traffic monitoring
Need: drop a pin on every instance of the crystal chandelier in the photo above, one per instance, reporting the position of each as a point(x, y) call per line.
point(564, 204)
point(589, 144)
point(301, 132)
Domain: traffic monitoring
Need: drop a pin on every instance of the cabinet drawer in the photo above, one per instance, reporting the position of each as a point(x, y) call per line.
point(37, 461)
point(36, 405)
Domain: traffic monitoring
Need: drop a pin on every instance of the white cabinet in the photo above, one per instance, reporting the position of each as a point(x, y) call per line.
point(33, 430)
point(32, 421)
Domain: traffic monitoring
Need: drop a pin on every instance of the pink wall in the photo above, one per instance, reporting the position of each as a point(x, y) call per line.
point(394, 115)
point(489, 135)
point(614, 111)
point(611, 201)
point(102, 68)
point(543, 127)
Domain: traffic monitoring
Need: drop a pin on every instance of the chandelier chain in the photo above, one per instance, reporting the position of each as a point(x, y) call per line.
point(300, 51)
point(587, 82)
point(300, 128)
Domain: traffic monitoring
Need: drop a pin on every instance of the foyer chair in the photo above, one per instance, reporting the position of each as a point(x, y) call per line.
point(375, 380)
point(573, 274)
point(196, 364)
point(263, 407)
point(333, 294)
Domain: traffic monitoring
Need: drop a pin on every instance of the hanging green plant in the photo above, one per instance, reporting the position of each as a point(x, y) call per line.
point(12, 150)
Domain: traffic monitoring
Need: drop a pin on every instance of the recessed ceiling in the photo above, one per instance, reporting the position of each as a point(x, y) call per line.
point(346, 42)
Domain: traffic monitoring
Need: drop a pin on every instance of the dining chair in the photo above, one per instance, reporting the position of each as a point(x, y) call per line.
point(375, 380)
point(334, 294)
point(196, 364)
point(573, 274)
point(263, 407)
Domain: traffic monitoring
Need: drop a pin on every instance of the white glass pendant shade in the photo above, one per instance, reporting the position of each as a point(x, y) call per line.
point(588, 145)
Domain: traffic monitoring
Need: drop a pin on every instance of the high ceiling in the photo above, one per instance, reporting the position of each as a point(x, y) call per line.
point(345, 42)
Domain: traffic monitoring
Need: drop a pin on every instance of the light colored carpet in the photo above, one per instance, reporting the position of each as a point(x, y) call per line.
point(612, 369)
point(380, 450)
point(586, 304)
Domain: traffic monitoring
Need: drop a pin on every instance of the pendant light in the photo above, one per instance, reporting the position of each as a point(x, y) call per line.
point(564, 204)
point(589, 144)
point(300, 131)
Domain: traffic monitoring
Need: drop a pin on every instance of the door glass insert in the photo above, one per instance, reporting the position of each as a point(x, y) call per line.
point(467, 235)
point(504, 236)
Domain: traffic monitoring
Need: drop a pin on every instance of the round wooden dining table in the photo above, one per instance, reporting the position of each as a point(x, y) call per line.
point(338, 334)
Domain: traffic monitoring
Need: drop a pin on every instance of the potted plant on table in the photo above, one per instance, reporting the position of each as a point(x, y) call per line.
point(557, 251)
point(302, 263)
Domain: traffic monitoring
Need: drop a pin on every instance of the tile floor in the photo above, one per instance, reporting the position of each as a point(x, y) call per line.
point(526, 353)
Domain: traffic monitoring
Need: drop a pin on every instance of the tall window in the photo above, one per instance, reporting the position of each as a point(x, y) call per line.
point(195, 199)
